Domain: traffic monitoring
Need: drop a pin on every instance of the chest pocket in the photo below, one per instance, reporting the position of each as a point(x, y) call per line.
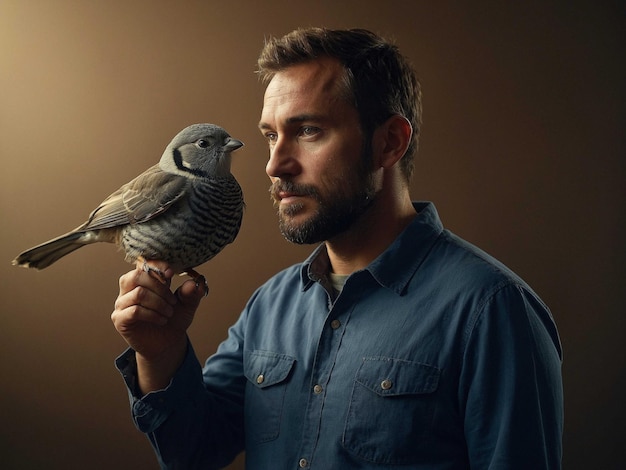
point(391, 410)
point(267, 373)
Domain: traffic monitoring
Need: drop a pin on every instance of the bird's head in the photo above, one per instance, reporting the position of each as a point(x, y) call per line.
point(200, 150)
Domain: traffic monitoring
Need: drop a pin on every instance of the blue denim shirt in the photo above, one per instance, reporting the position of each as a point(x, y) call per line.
point(435, 356)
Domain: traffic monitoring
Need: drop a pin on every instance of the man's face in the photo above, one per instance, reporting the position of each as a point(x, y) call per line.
point(319, 170)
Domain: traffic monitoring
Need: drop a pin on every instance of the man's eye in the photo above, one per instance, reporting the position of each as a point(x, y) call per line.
point(271, 136)
point(308, 131)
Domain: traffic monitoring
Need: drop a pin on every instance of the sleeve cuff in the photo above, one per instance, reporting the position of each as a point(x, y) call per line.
point(151, 410)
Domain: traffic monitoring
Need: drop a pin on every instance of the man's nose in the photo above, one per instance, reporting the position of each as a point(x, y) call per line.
point(283, 159)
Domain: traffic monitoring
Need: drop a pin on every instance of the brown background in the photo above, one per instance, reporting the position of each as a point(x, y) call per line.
point(522, 151)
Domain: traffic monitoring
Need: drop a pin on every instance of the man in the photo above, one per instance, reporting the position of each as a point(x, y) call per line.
point(394, 345)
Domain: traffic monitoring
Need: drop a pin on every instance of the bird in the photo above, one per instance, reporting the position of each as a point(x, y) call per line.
point(184, 210)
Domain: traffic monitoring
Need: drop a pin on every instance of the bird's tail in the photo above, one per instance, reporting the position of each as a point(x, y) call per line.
point(42, 256)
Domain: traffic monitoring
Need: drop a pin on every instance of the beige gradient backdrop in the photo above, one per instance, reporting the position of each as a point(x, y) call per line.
point(522, 150)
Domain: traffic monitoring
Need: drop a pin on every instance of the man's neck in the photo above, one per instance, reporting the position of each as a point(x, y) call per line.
point(372, 234)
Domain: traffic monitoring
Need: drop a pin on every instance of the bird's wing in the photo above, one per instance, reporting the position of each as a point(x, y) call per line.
point(139, 200)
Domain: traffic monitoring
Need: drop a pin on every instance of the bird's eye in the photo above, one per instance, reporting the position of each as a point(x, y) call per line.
point(202, 143)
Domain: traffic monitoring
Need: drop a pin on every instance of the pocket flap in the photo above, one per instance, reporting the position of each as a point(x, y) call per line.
point(387, 376)
point(266, 368)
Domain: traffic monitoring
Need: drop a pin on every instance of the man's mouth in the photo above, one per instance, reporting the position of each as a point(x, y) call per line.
point(287, 196)
point(289, 193)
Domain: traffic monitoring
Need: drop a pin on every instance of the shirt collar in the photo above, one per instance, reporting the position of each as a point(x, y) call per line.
point(395, 267)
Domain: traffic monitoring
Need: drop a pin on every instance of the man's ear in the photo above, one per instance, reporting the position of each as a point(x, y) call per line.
point(391, 140)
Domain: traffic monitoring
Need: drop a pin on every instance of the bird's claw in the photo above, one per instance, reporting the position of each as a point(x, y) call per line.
point(202, 280)
point(199, 280)
point(156, 271)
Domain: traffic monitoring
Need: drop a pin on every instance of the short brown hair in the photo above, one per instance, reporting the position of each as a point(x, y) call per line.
point(381, 81)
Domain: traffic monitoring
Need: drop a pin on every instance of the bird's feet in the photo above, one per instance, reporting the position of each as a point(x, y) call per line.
point(155, 272)
point(199, 279)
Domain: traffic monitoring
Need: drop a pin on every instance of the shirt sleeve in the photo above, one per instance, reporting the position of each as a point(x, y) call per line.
point(188, 424)
point(510, 386)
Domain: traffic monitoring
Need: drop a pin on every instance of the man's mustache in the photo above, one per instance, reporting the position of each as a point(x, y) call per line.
point(286, 186)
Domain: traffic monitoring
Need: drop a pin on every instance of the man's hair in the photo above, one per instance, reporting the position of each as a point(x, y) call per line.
point(380, 81)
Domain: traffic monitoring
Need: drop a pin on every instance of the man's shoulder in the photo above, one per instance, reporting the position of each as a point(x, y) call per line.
point(469, 265)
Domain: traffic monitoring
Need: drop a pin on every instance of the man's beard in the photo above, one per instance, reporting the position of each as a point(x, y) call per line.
point(346, 200)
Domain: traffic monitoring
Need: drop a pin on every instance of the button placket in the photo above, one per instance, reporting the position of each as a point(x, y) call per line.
point(328, 345)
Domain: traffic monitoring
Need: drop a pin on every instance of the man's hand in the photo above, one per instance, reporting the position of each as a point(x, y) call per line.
point(154, 321)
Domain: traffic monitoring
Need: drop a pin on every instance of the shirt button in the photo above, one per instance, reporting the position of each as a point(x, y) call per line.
point(335, 324)
point(318, 389)
point(386, 384)
point(260, 379)
point(303, 463)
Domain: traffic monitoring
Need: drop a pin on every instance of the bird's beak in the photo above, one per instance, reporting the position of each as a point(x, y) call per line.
point(232, 144)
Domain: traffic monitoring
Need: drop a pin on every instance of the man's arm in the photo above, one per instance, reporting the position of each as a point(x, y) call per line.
point(188, 425)
point(511, 386)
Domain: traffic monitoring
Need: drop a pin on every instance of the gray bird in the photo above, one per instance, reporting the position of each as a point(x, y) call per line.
point(184, 210)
